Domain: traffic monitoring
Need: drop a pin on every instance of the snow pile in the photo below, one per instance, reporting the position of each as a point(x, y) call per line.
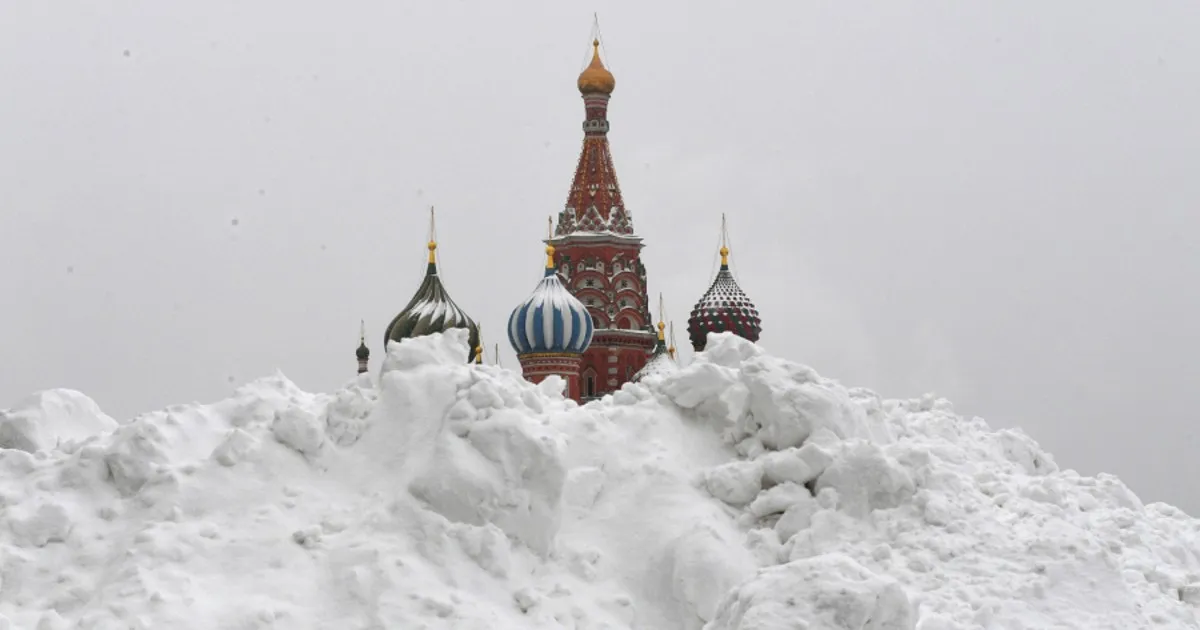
point(742, 492)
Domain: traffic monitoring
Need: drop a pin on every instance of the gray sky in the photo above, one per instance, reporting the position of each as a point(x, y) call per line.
point(990, 201)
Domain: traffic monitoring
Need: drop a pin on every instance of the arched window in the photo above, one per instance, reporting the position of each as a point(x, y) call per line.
point(589, 385)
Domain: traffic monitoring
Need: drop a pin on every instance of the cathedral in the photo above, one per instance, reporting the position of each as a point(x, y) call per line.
point(588, 319)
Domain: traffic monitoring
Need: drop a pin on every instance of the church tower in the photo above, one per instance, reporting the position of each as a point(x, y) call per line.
point(597, 253)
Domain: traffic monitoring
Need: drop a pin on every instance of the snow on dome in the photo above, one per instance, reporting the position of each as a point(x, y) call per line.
point(742, 492)
point(551, 320)
point(660, 363)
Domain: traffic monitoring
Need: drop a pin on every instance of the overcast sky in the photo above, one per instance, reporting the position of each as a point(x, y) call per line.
point(993, 201)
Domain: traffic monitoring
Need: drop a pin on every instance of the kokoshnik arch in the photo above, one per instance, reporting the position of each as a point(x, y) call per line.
point(588, 320)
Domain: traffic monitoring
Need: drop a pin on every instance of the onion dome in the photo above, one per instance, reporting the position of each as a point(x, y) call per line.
point(724, 307)
point(551, 321)
point(661, 362)
point(596, 79)
point(431, 310)
point(363, 353)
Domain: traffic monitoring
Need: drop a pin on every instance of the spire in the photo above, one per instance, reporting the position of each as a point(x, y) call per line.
point(432, 243)
point(550, 268)
point(724, 244)
point(363, 354)
point(661, 324)
point(479, 344)
point(671, 342)
point(594, 202)
point(724, 307)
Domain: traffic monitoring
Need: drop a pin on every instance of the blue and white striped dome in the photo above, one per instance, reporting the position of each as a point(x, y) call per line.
point(551, 321)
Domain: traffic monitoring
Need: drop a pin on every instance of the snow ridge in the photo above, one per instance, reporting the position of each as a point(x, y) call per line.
point(742, 492)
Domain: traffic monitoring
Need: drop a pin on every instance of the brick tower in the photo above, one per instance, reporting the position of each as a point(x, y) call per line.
point(598, 254)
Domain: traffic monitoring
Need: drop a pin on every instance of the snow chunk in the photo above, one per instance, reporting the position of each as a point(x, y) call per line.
point(237, 446)
point(789, 402)
point(867, 479)
point(704, 566)
point(39, 526)
point(828, 592)
point(797, 465)
point(735, 483)
point(48, 418)
point(299, 429)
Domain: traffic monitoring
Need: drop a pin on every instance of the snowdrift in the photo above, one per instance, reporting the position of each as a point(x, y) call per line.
point(743, 492)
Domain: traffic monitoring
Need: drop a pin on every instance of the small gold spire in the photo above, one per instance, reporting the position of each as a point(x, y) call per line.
point(432, 238)
point(479, 345)
point(549, 256)
point(549, 247)
point(671, 348)
point(661, 325)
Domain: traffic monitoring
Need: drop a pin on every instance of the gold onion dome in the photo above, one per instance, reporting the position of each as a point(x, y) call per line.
point(596, 79)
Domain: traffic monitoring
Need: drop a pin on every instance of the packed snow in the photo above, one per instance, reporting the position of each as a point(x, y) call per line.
point(741, 492)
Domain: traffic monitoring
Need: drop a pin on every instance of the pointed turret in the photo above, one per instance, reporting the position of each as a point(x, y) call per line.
point(724, 307)
point(662, 361)
point(363, 353)
point(594, 203)
point(431, 310)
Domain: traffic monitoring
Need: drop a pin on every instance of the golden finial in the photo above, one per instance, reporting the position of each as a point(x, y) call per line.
point(661, 326)
point(671, 348)
point(596, 79)
point(479, 343)
point(432, 238)
point(549, 247)
point(362, 331)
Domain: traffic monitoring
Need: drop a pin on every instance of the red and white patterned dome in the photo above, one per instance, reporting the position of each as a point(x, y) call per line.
point(724, 307)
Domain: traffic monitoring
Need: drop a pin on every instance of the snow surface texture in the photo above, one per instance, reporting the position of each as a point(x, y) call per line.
point(743, 492)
